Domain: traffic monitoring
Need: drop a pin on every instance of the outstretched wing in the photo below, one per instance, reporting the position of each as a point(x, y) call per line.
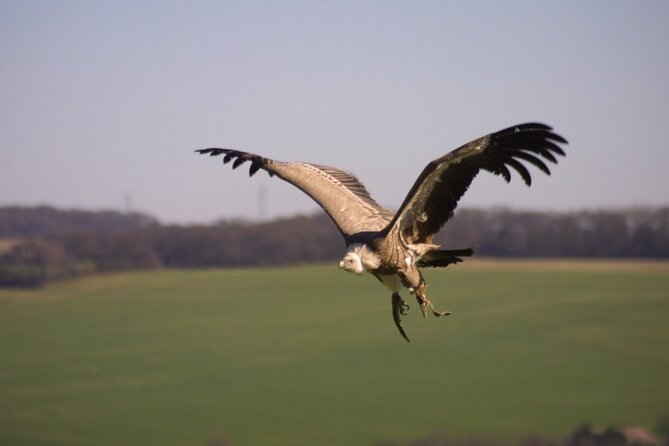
point(434, 196)
point(339, 193)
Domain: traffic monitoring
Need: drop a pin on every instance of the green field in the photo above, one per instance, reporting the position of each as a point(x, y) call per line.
point(310, 356)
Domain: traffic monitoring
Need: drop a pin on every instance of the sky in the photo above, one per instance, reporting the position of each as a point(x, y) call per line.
point(102, 104)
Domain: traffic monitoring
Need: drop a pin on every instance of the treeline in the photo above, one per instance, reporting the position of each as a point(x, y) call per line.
point(24, 222)
point(630, 233)
point(38, 245)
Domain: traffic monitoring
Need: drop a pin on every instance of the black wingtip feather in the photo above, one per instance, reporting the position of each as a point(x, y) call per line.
point(521, 169)
point(239, 158)
point(536, 126)
point(554, 147)
point(255, 166)
point(556, 137)
point(535, 161)
point(503, 171)
point(532, 142)
point(238, 162)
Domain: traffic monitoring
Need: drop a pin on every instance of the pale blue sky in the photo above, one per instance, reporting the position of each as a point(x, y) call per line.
point(103, 99)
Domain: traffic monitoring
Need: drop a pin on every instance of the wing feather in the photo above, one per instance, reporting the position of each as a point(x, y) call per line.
point(521, 169)
point(435, 194)
point(343, 197)
point(533, 160)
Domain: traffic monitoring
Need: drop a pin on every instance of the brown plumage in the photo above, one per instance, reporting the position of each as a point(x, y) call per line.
point(393, 245)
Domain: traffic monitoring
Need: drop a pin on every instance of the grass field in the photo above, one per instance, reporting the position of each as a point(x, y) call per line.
point(310, 356)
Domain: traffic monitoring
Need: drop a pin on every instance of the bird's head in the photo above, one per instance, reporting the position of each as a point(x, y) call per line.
point(352, 263)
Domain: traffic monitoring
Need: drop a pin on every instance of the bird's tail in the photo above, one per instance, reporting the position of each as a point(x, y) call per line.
point(440, 258)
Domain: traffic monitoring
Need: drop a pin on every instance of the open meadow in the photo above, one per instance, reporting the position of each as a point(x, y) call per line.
point(310, 355)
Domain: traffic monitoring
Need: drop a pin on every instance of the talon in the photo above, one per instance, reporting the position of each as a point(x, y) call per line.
point(399, 309)
point(423, 308)
point(425, 302)
point(440, 313)
point(437, 313)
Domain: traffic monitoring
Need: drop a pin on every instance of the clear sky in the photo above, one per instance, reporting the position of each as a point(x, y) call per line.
point(103, 100)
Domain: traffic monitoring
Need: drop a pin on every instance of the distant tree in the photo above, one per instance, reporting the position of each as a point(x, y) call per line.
point(35, 262)
point(111, 251)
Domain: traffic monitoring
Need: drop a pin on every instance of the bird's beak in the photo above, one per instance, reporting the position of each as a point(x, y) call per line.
point(341, 264)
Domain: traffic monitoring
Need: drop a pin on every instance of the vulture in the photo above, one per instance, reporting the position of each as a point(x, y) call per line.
point(393, 246)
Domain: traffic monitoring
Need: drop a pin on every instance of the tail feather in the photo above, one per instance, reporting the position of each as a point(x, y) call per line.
point(442, 258)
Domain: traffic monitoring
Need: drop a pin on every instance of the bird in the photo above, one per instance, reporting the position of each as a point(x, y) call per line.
point(394, 246)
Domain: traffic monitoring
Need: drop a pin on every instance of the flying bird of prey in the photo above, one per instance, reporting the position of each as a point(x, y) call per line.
point(392, 246)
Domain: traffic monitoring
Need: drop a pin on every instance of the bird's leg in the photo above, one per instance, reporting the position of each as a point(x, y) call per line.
point(400, 308)
point(424, 303)
point(413, 280)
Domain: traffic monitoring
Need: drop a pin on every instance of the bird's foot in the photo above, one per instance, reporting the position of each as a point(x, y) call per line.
point(424, 303)
point(400, 308)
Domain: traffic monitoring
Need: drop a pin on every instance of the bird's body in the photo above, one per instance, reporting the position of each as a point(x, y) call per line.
point(392, 246)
